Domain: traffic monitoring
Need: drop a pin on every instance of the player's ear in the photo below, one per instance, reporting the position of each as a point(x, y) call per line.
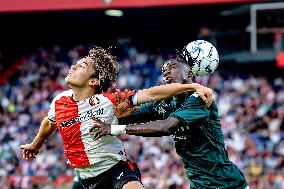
point(94, 82)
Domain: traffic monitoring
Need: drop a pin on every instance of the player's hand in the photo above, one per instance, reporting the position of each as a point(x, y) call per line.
point(103, 129)
point(206, 94)
point(29, 151)
point(122, 108)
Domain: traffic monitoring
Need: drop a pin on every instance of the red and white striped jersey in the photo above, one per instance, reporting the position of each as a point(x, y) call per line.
point(74, 120)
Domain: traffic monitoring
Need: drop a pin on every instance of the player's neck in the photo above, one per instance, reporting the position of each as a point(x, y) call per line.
point(82, 93)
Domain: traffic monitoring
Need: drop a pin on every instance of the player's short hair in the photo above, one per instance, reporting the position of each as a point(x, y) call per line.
point(105, 66)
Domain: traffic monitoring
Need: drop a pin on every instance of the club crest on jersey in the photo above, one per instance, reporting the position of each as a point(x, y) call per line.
point(94, 101)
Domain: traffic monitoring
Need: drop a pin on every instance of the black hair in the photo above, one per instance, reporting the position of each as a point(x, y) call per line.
point(186, 57)
point(175, 61)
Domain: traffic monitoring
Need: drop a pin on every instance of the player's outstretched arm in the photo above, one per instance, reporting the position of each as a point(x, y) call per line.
point(46, 129)
point(151, 129)
point(163, 92)
point(159, 93)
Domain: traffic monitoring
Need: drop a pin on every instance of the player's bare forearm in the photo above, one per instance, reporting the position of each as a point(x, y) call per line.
point(154, 128)
point(148, 129)
point(162, 92)
point(45, 130)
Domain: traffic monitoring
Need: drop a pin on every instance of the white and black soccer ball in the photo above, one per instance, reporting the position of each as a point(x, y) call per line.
point(204, 55)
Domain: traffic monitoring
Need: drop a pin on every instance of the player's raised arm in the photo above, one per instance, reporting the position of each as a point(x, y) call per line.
point(46, 129)
point(157, 93)
point(163, 92)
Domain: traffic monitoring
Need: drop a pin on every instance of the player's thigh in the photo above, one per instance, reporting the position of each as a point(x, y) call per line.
point(126, 175)
point(133, 185)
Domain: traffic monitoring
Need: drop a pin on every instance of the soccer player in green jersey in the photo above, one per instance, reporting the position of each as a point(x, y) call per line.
point(195, 129)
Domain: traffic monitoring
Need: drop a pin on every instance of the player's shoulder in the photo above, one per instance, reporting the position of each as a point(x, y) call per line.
point(194, 98)
point(66, 93)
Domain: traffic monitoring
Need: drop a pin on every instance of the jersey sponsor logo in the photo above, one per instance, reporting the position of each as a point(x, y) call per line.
point(161, 108)
point(82, 117)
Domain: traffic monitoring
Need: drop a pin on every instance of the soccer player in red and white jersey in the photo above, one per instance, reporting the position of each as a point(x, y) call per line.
point(101, 163)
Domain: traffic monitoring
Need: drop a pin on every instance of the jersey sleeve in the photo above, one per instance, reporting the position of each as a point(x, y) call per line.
point(192, 110)
point(51, 112)
point(131, 99)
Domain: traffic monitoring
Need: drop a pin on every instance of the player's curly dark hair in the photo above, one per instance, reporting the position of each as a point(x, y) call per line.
point(185, 57)
point(171, 62)
point(105, 66)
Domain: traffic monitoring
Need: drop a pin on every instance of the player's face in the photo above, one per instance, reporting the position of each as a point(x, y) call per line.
point(80, 73)
point(175, 73)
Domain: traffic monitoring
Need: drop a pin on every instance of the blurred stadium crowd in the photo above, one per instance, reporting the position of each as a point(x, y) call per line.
point(251, 109)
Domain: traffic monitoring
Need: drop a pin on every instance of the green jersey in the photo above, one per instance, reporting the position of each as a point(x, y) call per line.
point(198, 140)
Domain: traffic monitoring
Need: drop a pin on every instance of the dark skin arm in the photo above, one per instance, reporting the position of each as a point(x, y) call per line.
point(151, 129)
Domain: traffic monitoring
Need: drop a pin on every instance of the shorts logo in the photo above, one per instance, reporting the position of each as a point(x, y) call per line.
point(121, 174)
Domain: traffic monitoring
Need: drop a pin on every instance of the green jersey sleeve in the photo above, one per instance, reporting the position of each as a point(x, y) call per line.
point(191, 111)
point(145, 113)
